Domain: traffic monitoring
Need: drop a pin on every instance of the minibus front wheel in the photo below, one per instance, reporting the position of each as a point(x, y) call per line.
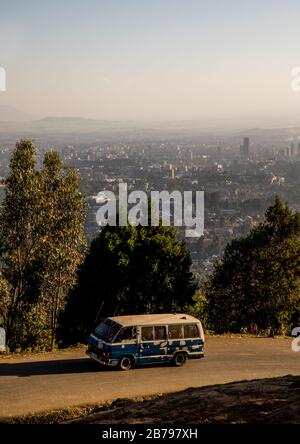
point(125, 363)
point(179, 359)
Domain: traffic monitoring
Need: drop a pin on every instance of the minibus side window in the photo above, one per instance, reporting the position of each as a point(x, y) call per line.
point(160, 332)
point(147, 334)
point(127, 334)
point(175, 331)
point(191, 331)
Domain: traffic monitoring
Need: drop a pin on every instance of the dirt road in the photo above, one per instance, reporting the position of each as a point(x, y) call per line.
point(55, 380)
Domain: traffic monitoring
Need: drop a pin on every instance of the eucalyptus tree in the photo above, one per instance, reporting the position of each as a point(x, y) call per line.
point(42, 243)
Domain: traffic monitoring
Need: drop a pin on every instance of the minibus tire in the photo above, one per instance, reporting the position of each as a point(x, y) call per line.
point(179, 359)
point(125, 363)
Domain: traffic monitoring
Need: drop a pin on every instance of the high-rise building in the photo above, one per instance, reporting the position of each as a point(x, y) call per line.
point(288, 151)
point(293, 150)
point(245, 148)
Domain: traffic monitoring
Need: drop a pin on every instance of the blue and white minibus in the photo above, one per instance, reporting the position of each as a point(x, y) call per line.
point(125, 341)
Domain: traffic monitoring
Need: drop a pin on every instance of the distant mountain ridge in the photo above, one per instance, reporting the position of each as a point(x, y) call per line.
point(11, 114)
point(14, 121)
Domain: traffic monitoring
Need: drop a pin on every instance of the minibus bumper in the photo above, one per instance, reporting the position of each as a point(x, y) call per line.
point(100, 358)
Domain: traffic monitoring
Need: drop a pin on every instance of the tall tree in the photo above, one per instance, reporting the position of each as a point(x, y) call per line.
point(20, 238)
point(42, 244)
point(129, 270)
point(63, 235)
point(256, 286)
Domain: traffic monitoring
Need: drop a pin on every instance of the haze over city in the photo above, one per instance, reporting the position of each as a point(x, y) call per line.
point(218, 63)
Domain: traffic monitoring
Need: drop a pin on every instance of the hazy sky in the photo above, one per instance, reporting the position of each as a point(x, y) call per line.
point(152, 59)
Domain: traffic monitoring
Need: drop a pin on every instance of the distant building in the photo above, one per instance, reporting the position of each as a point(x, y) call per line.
point(288, 151)
point(245, 148)
point(293, 150)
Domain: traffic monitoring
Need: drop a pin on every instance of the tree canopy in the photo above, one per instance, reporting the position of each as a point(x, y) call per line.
point(256, 286)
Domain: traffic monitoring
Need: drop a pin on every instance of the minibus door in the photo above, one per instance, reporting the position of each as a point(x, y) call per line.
point(153, 344)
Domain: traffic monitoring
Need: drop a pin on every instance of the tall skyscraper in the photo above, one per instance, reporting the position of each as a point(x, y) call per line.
point(245, 148)
point(293, 150)
point(288, 151)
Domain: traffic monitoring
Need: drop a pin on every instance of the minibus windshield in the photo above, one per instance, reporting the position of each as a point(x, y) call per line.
point(107, 330)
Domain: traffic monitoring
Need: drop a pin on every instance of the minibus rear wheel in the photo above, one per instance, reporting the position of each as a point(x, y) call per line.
point(125, 363)
point(179, 359)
